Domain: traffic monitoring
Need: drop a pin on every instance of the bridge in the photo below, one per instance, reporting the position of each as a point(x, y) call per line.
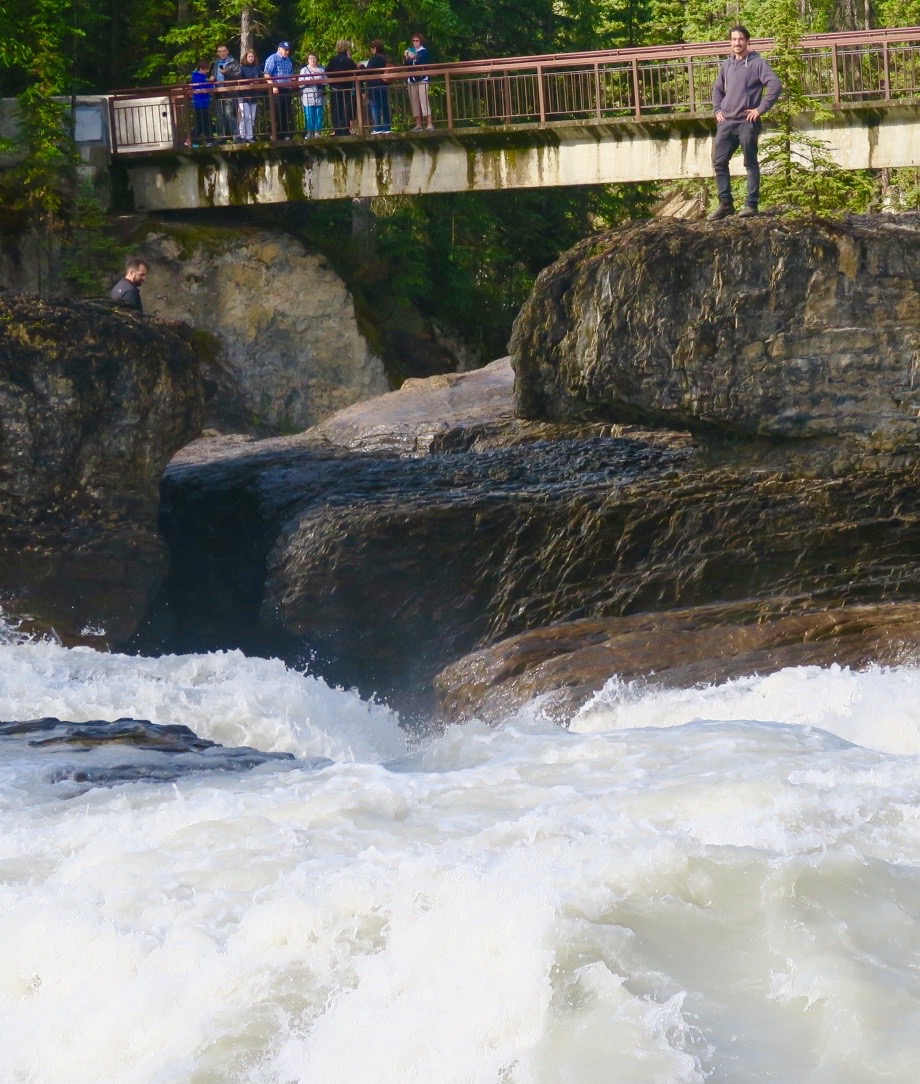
point(605, 117)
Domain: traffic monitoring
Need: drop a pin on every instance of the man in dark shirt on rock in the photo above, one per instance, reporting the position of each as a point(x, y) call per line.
point(745, 88)
point(127, 291)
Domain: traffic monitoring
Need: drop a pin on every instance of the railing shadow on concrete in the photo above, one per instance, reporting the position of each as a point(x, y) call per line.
point(838, 69)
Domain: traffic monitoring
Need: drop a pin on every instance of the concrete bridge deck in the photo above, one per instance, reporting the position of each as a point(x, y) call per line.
point(526, 156)
point(614, 116)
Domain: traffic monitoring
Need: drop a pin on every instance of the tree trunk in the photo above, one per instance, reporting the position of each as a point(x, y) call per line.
point(247, 41)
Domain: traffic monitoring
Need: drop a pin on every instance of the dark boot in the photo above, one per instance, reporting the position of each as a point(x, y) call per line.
point(722, 211)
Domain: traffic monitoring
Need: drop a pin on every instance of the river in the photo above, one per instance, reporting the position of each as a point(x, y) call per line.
point(715, 884)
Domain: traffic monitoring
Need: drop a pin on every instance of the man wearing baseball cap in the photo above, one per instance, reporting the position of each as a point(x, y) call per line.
point(279, 71)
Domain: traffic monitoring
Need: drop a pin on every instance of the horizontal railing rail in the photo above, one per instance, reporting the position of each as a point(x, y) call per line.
point(837, 69)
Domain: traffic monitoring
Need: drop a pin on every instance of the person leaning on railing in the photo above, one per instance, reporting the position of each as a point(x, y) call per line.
point(279, 70)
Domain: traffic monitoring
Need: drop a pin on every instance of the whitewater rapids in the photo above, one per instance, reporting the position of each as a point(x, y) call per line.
point(717, 884)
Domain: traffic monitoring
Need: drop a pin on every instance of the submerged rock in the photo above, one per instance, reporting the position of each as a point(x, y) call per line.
point(93, 403)
point(103, 753)
point(567, 664)
point(767, 327)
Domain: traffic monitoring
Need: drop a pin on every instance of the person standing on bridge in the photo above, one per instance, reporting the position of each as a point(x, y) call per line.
point(278, 70)
point(416, 56)
point(225, 69)
point(342, 105)
point(378, 93)
point(313, 95)
point(745, 88)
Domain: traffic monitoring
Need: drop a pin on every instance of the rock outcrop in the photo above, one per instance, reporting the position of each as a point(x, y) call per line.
point(351, 547)
point(93, 403)
point(768, 327)
point(284, 320)
point(566, 664)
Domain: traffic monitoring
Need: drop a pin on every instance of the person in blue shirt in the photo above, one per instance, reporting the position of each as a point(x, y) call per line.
point(279, 71)
point(201, 105)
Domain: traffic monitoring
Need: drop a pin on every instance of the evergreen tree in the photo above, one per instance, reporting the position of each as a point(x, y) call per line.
point(800, 172)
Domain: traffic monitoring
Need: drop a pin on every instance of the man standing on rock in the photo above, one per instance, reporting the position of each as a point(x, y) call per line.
point(745, 88)
point(127, 291)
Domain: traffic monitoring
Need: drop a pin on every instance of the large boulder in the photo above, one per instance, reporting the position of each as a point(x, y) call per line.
point(93, 403)
point(767, 327)
point(284, 322)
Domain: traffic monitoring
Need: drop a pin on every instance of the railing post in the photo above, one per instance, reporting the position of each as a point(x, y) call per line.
point(597, 89)
point(635, 81)
point(360, 103)
point(692, 95)
point(887, 72)
point(180, 119)
point(113, 135)
point(541, 97)
point(448, 103)
point(273, 111)
point(506, 97)
point(836, 74)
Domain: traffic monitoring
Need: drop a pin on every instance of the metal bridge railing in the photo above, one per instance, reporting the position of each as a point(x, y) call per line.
point(839, 69)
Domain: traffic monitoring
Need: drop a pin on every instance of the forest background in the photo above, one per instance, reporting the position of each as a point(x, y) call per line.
point(468, 259)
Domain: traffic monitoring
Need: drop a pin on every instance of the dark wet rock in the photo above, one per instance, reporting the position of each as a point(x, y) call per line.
point(93, 403)
point(102, 753)
point(381, 569)
point(567, 664)
point(767, 327)
point(353, 550)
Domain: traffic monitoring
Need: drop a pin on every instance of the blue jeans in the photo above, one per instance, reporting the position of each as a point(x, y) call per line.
point(378, 98)
point(730, 135)
point(313, 118)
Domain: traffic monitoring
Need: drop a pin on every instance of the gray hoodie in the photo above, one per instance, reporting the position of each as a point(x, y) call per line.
point(741, 84)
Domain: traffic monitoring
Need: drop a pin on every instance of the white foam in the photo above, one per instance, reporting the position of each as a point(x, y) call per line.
point(878, 707)
point(682, 894)
point(223, 696)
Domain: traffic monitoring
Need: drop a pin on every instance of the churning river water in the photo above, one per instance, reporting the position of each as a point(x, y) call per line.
point(716, 884)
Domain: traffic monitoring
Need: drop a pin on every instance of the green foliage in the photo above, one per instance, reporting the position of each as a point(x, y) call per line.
point(89, 251)
point(39, 59)
point(800, 173)
point(469, 259)
point(205, 25)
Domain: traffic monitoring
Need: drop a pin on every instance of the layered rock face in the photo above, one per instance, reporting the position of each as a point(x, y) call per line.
point(766, 327)
point(393, 538)
point(93, 403)
point(284, 320)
